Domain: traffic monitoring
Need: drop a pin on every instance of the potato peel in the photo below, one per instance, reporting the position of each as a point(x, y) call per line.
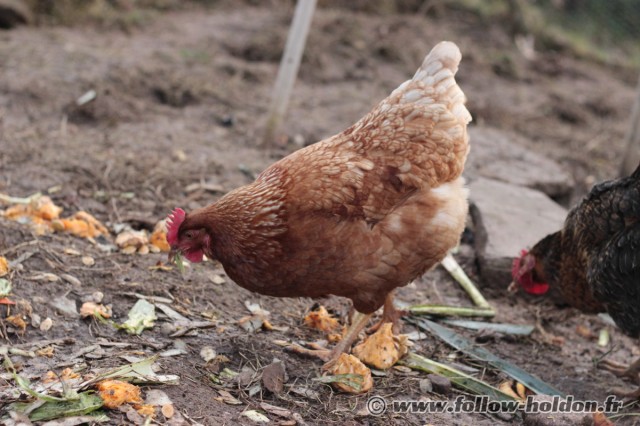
point(114, 393)
point(92, 309)
point(4, 266)
point(159, 237)
point(382, 349)
point(322, 320)
point(349, 364)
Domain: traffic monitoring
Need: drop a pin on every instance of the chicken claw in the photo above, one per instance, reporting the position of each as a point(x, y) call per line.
point(316, 351)
point(621, 370)
point(331, 356)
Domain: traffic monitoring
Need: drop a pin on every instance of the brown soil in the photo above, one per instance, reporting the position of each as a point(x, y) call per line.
point(197, 82)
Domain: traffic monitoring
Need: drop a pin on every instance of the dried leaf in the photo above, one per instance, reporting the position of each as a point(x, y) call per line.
point(46, 324)
point(71, 279)
point(208, 353)
point(275, 410)
point(273, 377)
point(320, 319)
point(256, 416)
point(136, 372)
point(382, 349)
point(88, 261)
point(78, 420)
point(45, 276)
point(114, 393)
point(350, 375)
point(227, 398)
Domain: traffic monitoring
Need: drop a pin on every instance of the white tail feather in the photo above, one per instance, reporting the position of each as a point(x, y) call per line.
point(437, 72)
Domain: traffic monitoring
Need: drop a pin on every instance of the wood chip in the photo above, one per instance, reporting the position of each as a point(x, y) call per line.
point(273, 377)
point(88, 260)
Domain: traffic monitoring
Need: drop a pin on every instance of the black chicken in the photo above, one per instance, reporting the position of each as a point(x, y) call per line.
point(594, 261)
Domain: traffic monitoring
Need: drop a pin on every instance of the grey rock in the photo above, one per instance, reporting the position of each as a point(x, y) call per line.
point(440, 384)
point(508, 218)
point(65, 307)
point(501, 155)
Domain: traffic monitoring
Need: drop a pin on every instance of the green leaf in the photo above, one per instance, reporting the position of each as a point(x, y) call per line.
point(25, 385)
point(137, 372)
point(351, 380)
point(141, 316)
point(480, 353)
point(460, 379)
point(85, 404)
point(515, 329)
point(179, 261)
point(5, 287)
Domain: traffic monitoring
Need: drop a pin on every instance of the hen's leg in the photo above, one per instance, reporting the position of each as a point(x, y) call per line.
point(621, 370)
point(625, 393)
point(389, 314)
point(330, 356)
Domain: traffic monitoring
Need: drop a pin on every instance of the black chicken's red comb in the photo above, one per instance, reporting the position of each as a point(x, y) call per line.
point(515, 265)
point(174, 221)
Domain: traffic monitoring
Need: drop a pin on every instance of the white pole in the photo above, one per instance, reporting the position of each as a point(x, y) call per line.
point(289, 65)
point(632, 155)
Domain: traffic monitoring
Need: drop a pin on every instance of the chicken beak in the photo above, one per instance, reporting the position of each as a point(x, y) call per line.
point(513, 287)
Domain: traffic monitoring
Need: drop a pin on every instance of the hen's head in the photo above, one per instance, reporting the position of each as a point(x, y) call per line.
point(524, 273)
point(186, 237)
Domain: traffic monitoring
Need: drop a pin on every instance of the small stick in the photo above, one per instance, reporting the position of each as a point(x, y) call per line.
point(483, 309)
point(7, 199)
point(442, 310)
point(289, 65)
point(459, 275)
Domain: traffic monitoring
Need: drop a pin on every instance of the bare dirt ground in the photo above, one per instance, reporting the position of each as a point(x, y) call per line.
point(197, 82)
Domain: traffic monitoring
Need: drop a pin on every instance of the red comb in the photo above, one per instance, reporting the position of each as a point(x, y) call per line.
point(174, 221)
point(515, 266)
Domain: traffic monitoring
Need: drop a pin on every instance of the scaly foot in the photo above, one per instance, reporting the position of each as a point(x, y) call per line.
point(389, 314)
point(622, 370)
point(331, 356)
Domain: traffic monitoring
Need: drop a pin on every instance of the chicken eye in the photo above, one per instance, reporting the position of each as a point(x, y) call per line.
point(188, 234)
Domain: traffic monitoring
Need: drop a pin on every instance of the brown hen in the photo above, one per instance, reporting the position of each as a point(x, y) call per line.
point(355, 215)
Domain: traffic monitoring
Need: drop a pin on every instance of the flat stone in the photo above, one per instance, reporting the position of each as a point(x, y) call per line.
point(501, 155)
point(439, 384)
point(508, 218)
